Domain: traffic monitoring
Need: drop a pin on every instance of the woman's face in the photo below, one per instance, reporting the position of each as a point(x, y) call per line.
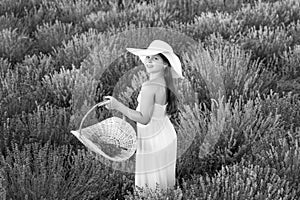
point(154, 64)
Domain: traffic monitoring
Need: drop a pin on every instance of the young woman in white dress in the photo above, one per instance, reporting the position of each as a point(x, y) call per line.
point(156, 136)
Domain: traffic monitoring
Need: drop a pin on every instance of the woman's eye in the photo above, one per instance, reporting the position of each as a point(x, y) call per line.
point(147, 57)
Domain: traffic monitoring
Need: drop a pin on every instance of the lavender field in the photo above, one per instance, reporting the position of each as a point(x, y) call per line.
point(240, 102)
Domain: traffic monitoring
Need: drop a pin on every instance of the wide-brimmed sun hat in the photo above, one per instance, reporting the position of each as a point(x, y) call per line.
point(156, 47)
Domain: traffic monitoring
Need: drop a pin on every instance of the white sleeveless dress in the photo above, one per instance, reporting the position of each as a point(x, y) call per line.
point(156, 151)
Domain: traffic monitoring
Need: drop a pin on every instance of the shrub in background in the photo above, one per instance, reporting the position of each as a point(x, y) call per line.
point(240, 75)
point(190, 133)
point(43, 125)
point(266, 42)
point(17, 95)
point(203, 74)
point(269, 14)
point(140, 15)
point(227, 69)
point(17, 7)
point(38, 66)
point(239, 181)
point(33, 18)
point(223, 136)
point(14, 46)
point(8, 21)
point(156, 194)
point(48, 172)
point(2, 185)
point(285, 105)
point(29, 14)
point(68, 11)
point(294, 30)
point(70, 88)
point(231, 25)
point(75, 50)
point(49, 36)
point(21, 88)
point(208, 23)
point(261, 14)
point(280, 150)
point(5, 66)
point(289, 62)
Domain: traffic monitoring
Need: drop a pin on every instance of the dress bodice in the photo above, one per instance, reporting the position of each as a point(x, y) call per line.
point(159, 111)
point(158, 122)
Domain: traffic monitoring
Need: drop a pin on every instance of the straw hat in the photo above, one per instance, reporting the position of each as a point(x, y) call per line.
point(156, 47)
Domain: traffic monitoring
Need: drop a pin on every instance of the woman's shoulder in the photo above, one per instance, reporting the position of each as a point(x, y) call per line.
point(147, 86)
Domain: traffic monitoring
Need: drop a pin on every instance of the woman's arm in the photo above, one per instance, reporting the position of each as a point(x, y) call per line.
point(146, 106)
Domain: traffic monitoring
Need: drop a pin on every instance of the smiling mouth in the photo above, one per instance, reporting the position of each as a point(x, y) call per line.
point(149, 66)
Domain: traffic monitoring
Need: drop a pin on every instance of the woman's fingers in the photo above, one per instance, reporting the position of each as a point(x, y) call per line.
point(107, 102)
point(108, 105)
point(107, 97)
point(111, 102)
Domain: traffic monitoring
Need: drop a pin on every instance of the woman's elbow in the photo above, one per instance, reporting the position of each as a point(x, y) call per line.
point(145, 121)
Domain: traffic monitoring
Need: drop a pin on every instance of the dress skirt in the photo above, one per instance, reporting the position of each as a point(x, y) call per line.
point(156, 151)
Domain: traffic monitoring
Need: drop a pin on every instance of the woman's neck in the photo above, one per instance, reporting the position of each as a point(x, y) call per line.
point(153, 76)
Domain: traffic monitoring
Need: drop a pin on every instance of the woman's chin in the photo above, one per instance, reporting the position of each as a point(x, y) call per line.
point(148, 70)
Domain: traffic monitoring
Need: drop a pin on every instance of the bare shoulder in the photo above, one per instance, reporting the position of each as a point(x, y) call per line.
point(156, 83)
point(148, 86)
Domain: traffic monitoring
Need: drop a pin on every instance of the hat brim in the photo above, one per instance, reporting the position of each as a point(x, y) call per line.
point(143, 52)
point(172, 58)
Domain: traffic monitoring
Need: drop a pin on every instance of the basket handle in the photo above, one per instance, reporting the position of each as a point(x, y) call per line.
point(102, 103)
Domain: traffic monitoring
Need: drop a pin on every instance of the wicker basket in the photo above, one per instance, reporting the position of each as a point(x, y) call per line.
point(113, 138)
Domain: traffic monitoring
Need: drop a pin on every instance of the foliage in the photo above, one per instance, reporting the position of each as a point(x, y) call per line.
point(238, 118)
point(21, 88)
point(140, 15)
point(208, 23)
point(280, 151)
point(265, 41)
point(228, 70)
point(16, 7)
point(269, 14)
point(12, 45)
point(290, 63)
point(285, 105)
point(73, 90)
point(8, 21)
point(68, 11)
point(223, 136)
point(75, 50)
point(45, 172)
point(51, 36)
point(239, 181)
point(44, 125)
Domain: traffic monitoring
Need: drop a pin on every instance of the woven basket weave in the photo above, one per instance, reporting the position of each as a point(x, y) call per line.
point(113, 138)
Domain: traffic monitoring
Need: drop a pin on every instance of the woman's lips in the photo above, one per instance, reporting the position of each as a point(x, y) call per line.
point(149, 65)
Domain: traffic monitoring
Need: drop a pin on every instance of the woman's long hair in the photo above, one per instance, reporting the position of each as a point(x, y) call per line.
point(172, 99)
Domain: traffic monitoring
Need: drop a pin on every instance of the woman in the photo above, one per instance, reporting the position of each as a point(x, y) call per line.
point(156, 136)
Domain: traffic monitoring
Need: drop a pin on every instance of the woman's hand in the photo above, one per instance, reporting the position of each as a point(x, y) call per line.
point(112, 102)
